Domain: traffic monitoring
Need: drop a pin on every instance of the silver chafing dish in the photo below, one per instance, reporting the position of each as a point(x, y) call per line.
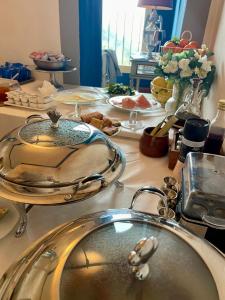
point(56, 161)
point(118, 254)
point(203, 193)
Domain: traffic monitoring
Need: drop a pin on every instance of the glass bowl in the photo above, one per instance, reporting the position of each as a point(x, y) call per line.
point(161, 94)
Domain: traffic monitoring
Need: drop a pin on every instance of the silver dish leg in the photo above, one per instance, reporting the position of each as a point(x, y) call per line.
point(23, 210)
point(119, 184)
point(53, 81)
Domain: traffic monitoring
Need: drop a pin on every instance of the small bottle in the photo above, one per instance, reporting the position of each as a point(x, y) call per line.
point(194, 136)
point(215, 139)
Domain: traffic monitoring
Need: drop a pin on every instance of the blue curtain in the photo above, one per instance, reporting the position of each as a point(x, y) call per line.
point(90, 30)
point(179, 17)
point(168, 21)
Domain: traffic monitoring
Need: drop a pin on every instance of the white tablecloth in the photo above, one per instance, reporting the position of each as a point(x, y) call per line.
point(140, 170)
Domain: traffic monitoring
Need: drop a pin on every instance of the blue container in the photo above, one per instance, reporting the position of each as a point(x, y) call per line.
point(8, 70)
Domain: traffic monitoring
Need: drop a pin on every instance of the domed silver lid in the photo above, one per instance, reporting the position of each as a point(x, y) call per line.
point(64, 160)
point(104, 256)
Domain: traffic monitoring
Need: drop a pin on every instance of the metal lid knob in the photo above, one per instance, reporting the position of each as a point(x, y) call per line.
point(54, 116)
point(139, 257)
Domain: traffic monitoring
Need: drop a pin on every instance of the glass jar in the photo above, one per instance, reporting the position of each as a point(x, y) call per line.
point(7, 85)
point(215, 139)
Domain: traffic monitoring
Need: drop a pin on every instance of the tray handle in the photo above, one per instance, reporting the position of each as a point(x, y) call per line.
point(217, 223)
point(150, 190)
point(33, 117)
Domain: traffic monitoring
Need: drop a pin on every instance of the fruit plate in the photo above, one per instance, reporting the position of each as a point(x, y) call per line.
point(156, 106)
point(80, 95)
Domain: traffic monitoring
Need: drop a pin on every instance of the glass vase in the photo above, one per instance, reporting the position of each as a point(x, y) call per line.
point(180, 92)
point(192, 101)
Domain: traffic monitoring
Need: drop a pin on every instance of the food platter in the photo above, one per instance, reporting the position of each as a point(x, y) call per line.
point(156, 106)
point(83, 95)
point(42, 107)
point(108, 126)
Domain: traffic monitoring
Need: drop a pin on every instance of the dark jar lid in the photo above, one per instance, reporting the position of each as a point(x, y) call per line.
point(196, 129)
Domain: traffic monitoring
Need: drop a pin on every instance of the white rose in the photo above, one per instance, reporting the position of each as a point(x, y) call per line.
point(206, 66)
point(184, 63)
point(204, 47)
point(203, 59)
point(171, 67)
point(197, 55)
point(201, 73)
point(186, 72)
point(163, 60)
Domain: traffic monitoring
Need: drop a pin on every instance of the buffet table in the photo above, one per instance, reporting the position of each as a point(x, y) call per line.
point(140, 170)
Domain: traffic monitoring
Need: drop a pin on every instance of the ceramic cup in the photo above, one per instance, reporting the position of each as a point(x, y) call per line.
point(153, 146)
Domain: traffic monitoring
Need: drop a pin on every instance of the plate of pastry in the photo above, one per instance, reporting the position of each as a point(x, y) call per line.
point(143, 103)
point(107, 125)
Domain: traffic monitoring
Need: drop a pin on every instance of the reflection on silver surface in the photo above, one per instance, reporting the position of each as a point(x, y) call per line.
point(87, 259)
point(122, 227)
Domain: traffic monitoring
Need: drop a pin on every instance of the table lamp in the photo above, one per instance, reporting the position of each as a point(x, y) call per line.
point(154, 23)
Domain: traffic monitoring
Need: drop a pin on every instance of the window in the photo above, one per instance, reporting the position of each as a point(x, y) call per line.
point(122, 28)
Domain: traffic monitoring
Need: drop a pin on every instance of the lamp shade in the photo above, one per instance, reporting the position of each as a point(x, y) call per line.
point(156, 4)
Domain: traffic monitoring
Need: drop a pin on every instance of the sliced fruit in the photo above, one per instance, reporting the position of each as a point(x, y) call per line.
point(192, 45)
point(169, 44)
point(142, 102)
point(129, 103)
point(183, 43)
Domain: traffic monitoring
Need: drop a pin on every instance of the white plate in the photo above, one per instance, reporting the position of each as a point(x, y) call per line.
point(9, 221)
point(156, 106)
point(79, 95)
point(51, 104)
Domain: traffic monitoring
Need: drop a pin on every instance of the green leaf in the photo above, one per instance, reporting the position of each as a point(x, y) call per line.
point(198, 64)
point(209, 53)
point(175, 40)
point(193, 64)
point(190, 53)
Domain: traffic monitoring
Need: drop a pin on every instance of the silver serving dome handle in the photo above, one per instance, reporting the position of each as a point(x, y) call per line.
point(87, 180)
point(139, 256)
point(150, 190)
point(33, 117)
point(54, 116)
point(217, 223)
point(146, 247)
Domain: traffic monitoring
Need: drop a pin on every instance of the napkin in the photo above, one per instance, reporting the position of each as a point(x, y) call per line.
point(130, 134)
point(47, 89)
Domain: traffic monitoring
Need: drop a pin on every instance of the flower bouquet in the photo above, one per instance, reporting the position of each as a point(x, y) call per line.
point(182, 68)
